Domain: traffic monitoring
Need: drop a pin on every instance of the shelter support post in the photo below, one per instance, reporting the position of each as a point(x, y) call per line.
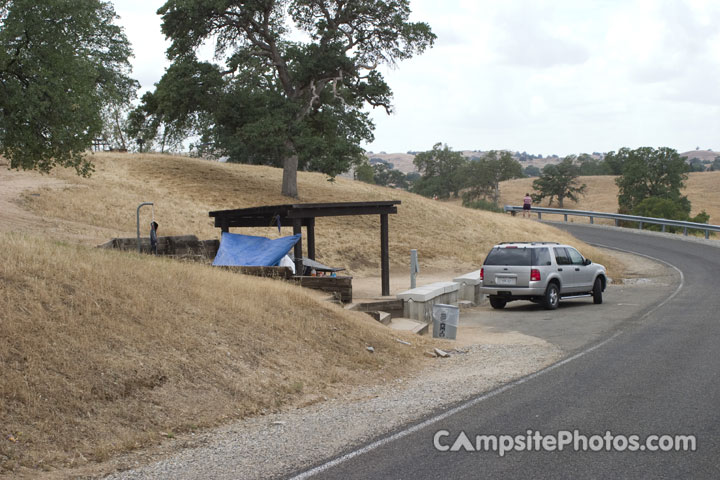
point(297, 228)
point(311, 238)
point(385, 255)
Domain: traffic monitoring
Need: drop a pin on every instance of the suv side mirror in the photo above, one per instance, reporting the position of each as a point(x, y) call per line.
point(587, 261)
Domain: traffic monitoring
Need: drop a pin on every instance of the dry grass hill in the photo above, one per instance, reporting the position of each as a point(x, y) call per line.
point(701, 190)
point(104, 352)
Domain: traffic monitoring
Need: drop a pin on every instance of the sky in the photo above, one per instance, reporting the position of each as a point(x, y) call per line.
point(541, 76)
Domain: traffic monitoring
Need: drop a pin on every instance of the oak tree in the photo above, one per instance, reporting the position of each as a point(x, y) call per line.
point(559, 182)
point(62, 62)
point(297, 73)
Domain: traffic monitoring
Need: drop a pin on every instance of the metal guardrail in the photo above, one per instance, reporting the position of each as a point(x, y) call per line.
point(619, 217)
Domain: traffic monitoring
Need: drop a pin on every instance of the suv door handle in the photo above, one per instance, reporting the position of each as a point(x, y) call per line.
point(577, 269)
point(559, 269)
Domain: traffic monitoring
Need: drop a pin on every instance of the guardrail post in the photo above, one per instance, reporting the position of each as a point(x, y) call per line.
point(592, 220)
point(663, 228)
point(707, 234)
point(617, 222)
point(640, 225)
point(566, 217)
point(539, 215)
point(685, 231)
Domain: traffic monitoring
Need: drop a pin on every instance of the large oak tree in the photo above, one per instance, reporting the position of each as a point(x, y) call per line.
point(297, 75)
point(62, 62)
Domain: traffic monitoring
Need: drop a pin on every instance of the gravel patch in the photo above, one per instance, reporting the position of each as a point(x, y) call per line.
point(276, 445)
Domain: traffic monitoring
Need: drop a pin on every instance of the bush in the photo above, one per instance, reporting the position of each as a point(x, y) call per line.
point(484, 205)
point(668, 209)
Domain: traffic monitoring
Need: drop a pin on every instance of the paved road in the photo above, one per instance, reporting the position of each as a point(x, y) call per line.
point(656, 375)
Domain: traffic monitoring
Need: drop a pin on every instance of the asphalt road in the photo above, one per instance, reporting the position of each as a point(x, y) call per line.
point(658, 374)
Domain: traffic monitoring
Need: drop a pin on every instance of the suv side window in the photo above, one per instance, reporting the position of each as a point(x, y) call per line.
point(561, 256)
point(575, 256)
point(541, 257)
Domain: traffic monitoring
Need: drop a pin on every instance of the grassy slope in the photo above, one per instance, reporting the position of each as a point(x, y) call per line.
point(185, 190)
point(101, 351)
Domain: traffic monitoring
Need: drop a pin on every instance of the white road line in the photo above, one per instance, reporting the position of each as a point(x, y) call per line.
point(470, 403)
point(677, 290)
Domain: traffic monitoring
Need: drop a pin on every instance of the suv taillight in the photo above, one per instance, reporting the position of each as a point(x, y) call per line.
point(534, 275)
point(482, 274)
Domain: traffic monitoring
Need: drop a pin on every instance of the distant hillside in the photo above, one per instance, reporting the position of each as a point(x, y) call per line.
point(703, 155)
point(404, 161)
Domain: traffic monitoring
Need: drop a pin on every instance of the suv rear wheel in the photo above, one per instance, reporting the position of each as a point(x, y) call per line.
point(552, 296)
point(497, 303)
point(597, 291)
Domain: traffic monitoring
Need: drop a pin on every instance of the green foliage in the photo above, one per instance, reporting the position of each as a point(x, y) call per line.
point(481, 177)
point(365, 173)
point(647, 172)
point(592, 166)
point(715, 164)
point(286, 102)
point(559, 182)
point(441, 170)
point(532, 171)
point(62, 62)
point(389, 177)
point(484, 205)
point(695, 165)
point(668, 209)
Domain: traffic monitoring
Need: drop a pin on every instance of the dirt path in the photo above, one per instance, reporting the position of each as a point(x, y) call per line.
point(14, 218)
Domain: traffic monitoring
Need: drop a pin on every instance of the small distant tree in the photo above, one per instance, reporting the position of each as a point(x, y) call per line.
point(559, 182)
point(387, 176)
point(592, 166)
point(441, 172)
point(365, 173)
point(482, 176)
point(715, 164)
point(695, 165)
point(532, 171)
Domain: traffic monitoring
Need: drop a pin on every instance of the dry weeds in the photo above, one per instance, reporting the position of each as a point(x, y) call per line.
point(104, 351)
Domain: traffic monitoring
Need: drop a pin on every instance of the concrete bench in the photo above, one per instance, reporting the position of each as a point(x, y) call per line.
point(418, 302)
point(470, 284)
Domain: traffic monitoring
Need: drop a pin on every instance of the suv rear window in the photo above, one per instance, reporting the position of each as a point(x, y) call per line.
point(508, 256)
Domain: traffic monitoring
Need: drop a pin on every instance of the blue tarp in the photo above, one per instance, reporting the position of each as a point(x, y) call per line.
point(248, 251)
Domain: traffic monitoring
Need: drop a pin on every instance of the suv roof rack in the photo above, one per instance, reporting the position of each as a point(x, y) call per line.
point(529, 243)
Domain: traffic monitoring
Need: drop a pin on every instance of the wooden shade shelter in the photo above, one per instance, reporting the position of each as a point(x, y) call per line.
point(303, 215)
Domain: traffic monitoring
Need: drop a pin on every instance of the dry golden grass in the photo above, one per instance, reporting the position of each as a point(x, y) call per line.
point(101, 351)
point(601, 195)
point(185, 190)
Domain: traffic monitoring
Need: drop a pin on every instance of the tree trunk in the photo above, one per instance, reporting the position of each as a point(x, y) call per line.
point(289, 183)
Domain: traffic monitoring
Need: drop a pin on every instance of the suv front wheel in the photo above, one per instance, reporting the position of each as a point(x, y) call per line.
point(552, 296)
point(597, 291)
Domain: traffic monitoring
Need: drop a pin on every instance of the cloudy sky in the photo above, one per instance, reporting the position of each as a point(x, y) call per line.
point(542, 76)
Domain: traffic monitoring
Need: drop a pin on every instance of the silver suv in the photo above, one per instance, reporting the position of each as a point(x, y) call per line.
point(542, 272)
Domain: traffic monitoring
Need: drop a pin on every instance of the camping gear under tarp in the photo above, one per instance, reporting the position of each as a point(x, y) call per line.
point(246, 250)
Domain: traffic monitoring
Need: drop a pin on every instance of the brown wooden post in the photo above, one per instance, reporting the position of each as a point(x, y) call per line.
point(384, 255)
point(311, 238)
point(297, 228)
